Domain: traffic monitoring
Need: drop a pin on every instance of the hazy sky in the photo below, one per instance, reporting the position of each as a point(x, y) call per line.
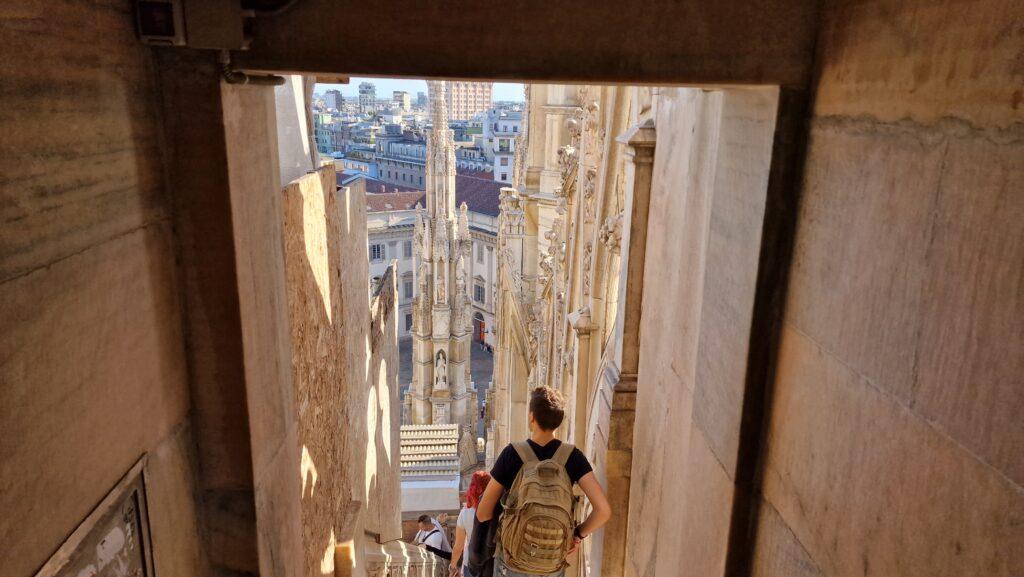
point(385, 86)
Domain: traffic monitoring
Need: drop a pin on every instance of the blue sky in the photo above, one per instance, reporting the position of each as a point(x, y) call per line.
point(385, 86)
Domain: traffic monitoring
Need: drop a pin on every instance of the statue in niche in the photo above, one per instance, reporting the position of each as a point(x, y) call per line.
point(460, 276)
point(425, 251)
point(440, 372)
point(422, 280)
point(441, 241)
point(588, 262)
point(441, 288)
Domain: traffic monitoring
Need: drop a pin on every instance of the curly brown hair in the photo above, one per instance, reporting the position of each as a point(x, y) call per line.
point(548, 407)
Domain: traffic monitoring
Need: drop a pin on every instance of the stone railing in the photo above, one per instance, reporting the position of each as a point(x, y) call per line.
point(401, 559)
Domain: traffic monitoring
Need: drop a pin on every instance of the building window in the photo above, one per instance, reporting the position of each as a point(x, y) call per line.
point(504, 176)
point(421, 180)
point(376, 252)
point(407, 249)
point(515, 129)
point(479, 252)
point(478, 293)
point(408, 322)
point(504, 161)
point(407, 286)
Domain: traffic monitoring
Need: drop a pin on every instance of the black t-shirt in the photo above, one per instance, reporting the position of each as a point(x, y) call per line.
point(508, 463)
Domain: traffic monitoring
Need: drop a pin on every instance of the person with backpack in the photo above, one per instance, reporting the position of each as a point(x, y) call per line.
point(432, 538)
point(532, 483)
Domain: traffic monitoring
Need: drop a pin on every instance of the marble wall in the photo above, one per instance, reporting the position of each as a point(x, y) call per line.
point(93, 369)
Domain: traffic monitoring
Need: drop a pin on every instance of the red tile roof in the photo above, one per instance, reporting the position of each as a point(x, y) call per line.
point(479, 194)
point(382, 202)
point(476, 173)
point(373, 186)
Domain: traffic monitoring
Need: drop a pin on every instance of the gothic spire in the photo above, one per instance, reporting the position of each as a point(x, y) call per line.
point(440, 155)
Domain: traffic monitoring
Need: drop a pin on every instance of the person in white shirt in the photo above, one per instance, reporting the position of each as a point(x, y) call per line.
point(432, 538)
point(464, 525)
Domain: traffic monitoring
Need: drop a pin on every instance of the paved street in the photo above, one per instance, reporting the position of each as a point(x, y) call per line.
point(481, 367)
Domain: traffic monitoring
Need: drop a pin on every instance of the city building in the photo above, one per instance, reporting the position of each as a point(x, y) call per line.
point(500, 129)
point(323, 132)
point(391, 218)
point(468, 98)
point(355, 162)
point(367, 98)
point(421, 100)
point(400, 100)
point(333, 100)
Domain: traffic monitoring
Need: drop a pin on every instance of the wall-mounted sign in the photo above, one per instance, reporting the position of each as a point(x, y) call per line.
point(113, 541)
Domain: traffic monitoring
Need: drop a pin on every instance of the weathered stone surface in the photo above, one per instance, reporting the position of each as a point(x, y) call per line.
point(668, 334)
point(79, 132)
point(93, 376)
point(382, 486)
point(742, 150)
point(170, 495)
point(693, 542)
point(922, 60)
point(777, 552)
point(859, 261)
point(199, 162)
point(666, 41)
point(970, 355)
point(869, 488)
point(249, 122)
point(321, 357)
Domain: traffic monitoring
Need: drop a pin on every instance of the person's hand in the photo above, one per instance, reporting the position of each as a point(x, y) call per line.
point(422, 545)
point(575, 546)
point(454, 571)
point(442, 518)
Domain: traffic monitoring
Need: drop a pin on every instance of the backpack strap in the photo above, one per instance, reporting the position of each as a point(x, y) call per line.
point(525, 451)
point(562, 454)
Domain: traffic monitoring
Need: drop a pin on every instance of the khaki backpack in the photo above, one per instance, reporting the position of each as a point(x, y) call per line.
point(537, 525)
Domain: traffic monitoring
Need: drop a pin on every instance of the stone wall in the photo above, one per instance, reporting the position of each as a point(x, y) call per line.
point(383, 492)
point(707, 203)
point(891, 432)
point(895, 429)
point(93, 367)
point(329, 317)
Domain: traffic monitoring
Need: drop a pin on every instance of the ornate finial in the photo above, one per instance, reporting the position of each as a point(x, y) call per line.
point(611, 232)
point(588, 262)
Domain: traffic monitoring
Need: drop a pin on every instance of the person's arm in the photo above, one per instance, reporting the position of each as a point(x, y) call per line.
point(460, 546)
point(489, 500)
point(601, 510)
point(435, 548)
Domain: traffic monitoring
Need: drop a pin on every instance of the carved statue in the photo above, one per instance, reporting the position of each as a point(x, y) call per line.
point(464, 222)
point(588, 263)
point(611, 232)
point(460, 276)
point(427, 255)
point(441, 372)
point(589, 186)
point(418, 235)
point(441, 240)
point(423, 273)
point(439, 284)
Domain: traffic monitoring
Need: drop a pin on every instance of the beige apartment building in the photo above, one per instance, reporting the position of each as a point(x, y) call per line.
point(466, 99)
